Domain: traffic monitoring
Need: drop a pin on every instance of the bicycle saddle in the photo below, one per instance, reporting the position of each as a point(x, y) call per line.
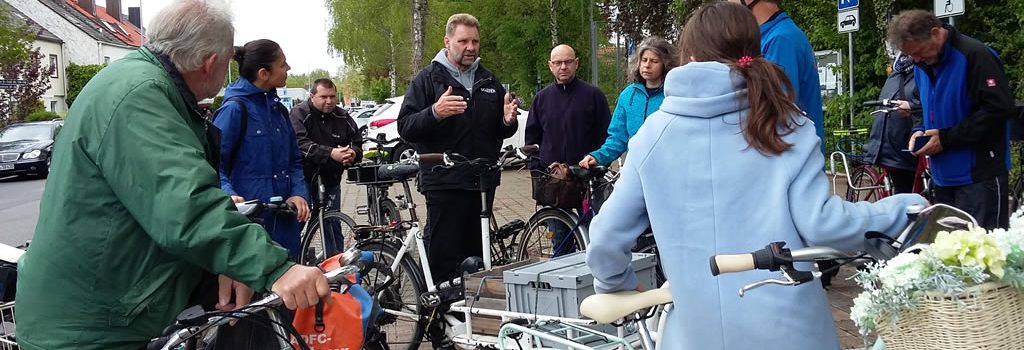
point(606, 308)
point(593, 172)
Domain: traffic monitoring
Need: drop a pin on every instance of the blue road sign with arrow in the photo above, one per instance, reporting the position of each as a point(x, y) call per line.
point(845, 4)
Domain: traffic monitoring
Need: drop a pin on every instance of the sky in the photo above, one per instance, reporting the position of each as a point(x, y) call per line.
point(299, 26)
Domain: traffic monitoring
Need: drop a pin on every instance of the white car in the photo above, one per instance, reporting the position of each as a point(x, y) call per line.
point(383, 122)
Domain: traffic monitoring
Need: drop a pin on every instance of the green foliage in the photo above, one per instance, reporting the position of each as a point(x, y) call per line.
point(217, 101)
point(18, 103)
point(43, 115)
point(305, 80)
point(232, 73)
point(77, 76)
point(376, 89)
point(15, 39)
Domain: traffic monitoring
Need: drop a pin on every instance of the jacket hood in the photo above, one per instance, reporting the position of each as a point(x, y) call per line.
point(242, 87)
point(704, 90)
point(442, 57)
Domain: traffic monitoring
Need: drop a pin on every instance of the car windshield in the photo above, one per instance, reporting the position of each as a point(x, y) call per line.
point(25, 132)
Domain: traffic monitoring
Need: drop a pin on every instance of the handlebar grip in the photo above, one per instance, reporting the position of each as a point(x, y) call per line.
point(728, 263)
point(529, 149)
point(874, 103)
point(429, 160)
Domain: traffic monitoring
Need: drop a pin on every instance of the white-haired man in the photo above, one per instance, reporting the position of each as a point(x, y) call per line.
point(132, 215)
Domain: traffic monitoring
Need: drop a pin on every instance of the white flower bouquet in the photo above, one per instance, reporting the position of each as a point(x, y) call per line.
point(962, 291)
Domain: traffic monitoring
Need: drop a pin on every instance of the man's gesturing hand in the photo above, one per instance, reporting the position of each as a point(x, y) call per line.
point(301, 287)
point(448, 105)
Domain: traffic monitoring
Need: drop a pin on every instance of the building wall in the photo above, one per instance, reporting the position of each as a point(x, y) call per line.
point(53, 99)
point(80, 48)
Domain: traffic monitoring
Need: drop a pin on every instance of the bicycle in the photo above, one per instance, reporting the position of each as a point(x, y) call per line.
point(380, 208)
point(192, 330)
point(869, 181)
point(415, 298)
point(540, 240)
point(315, 245)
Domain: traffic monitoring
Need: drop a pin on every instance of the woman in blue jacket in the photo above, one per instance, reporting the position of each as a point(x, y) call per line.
point(728, 165)
point(263, 162)
point(653, 59)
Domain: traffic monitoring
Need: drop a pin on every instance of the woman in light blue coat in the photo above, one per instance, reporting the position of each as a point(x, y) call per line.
point(653, 59)
point(728, 165)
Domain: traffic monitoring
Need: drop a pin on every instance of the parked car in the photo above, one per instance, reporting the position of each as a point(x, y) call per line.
point(362, 117)
point(383, 122)
point(26, 148)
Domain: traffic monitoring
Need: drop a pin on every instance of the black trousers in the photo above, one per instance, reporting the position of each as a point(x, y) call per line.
point(453, 230)
point(986, 201)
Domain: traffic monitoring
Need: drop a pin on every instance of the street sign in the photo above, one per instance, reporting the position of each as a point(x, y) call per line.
point(849, 20)
point(847, 4)
point(13, 82)
point(9, 86)
point(948, 8)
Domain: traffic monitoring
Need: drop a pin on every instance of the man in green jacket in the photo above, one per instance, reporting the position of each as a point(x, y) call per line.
point(132, 214)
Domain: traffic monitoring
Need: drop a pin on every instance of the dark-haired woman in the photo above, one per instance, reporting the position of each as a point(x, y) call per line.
point(262, 161)
point(648, 67)
point(728, 165)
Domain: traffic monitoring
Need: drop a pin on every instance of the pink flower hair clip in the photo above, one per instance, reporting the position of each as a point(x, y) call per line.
point(745, 61)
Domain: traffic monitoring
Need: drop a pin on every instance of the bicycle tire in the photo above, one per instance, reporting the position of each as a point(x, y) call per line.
point(865, 176)
point(536, 241)
point(1017, 194)
point(312, 248)
point(646, 244)
point(402, 295)
point(389, 212)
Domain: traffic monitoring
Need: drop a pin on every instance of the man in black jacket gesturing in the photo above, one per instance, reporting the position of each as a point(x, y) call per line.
point(329, 141)
point(455, 105)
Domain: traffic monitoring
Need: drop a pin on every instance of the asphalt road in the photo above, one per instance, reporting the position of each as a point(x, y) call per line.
point(19, 208)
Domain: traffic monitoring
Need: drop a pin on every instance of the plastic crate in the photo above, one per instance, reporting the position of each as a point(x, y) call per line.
point(557, 287)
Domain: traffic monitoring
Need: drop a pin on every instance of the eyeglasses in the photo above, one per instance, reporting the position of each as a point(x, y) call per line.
point(568, 62)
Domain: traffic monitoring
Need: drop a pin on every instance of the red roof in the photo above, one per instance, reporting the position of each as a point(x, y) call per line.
point(119, 28)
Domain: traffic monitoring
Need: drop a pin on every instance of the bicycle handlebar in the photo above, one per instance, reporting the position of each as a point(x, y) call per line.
point(252, 208)
point(881, 103)
point(176, 337)
point(772, 257)
point(448, 160)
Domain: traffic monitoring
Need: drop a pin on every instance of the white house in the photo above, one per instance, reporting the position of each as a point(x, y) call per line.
point(80, 32)
point(52, 49)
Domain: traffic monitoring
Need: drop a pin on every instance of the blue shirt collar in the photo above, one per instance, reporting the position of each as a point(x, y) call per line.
point(773, 20)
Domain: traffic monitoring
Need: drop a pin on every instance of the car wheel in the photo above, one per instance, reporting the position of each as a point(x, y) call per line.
point(45, 172)
point(402, 152)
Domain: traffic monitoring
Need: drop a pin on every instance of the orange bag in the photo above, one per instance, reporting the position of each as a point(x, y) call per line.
point(338, 325)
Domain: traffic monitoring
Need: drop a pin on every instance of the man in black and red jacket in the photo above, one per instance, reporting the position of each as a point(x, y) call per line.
point(967, 106)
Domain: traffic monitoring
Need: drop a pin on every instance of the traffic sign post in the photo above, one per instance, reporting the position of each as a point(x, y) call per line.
point(949, 8)
point(11, 84)
point(848, 22)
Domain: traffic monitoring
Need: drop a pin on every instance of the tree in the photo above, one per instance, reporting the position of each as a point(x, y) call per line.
point(419, 22)
point(77, 76)
point(305, 80)
point(19, 103)
point(15, 39)
point(637, 19)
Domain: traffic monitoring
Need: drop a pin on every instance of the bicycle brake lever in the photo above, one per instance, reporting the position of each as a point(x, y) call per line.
point(759, 284)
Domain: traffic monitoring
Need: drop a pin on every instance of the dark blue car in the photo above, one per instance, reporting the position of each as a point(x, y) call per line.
point(25, 148)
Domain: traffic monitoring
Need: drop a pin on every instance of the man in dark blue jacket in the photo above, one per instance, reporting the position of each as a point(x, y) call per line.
point(967, 104)
point(570, 117)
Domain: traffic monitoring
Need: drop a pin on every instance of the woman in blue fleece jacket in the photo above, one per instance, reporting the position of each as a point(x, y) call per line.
point(653, 59)
point(728, 165)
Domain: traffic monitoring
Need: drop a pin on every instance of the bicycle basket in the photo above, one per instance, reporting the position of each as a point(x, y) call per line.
point(557, 190)
point(7, 341)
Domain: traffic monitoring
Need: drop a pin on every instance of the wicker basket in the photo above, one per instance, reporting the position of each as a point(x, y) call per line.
point(993, 318)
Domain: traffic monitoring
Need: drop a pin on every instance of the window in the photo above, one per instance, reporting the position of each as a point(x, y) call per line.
point(53, 63)
point(53, 106)
point(106, 59)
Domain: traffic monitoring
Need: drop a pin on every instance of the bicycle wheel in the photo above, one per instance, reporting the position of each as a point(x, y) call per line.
point(389, 212)
point(645, 244)
point(400, 323)
point(548, 235)
point(313, 249)
point(1017, 194)
point(865, 177)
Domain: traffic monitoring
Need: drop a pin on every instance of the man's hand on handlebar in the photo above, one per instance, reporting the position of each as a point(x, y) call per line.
point(301, 287)
point(901, 107)
point(301, 207)
point(588, 162)
point(231, 294)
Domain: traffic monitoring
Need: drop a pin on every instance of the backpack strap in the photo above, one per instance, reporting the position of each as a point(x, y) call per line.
point(241, 134)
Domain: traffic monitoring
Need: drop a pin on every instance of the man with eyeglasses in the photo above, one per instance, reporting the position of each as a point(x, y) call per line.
point(568, 118)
